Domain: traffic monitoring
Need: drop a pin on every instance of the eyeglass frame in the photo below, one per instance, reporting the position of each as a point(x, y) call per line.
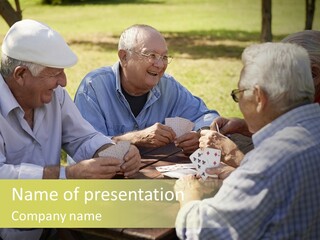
point(234, 93)
point(152, 57)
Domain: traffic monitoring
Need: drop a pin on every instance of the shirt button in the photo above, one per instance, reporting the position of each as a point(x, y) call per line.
point(136, 126)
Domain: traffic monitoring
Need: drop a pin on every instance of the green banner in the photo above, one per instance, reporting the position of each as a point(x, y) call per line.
point(118, 203)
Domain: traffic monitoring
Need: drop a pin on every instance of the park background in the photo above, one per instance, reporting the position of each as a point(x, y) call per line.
point(205, 37)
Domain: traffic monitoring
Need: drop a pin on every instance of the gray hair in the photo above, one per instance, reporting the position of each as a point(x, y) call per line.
point(129, 37)
point(282, 70)
point(8, 65)
point(309, 40)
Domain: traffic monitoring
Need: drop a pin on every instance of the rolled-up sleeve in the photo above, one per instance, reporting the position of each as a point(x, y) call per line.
point(184, 104)
point(80, 139)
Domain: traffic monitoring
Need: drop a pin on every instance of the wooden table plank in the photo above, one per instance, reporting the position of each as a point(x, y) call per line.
point(123, 234)
point(151, 158)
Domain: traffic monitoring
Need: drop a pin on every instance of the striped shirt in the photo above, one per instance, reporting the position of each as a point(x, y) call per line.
point(273, 194)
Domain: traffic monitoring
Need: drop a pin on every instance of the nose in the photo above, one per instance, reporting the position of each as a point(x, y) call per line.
point(62, 79)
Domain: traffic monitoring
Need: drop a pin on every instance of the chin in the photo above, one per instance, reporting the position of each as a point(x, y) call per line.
point(153, 82)
point(46, 100)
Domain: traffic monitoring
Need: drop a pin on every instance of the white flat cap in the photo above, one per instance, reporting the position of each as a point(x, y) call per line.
point(32, 41)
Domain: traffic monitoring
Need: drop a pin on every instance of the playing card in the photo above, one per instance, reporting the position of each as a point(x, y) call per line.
point(174, 167)
point(196, 159)
point(118, 150)
point(167, 168)
point(179, 125)
point(195, 156)
point(210, 157)
point(179, 173)
point(177, 170)
point(205, 158)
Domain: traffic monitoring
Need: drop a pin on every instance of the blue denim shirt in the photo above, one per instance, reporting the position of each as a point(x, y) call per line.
point(101, 101)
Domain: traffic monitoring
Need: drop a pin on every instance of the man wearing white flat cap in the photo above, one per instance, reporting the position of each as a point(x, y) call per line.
point(38, 117)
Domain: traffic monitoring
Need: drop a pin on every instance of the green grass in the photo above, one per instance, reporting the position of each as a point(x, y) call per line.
point(206, 37)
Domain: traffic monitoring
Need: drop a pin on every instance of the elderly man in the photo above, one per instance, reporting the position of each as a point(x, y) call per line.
point(38, 118)
point(131, 99)
point(274, 193)
point(232, 156)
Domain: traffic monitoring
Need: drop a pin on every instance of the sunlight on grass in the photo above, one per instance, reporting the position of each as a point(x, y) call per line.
point(206, 37)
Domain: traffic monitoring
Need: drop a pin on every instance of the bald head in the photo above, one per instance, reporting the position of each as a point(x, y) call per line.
point(135, 34)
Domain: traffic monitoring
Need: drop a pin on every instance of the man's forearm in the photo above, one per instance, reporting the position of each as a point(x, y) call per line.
point(133, 137)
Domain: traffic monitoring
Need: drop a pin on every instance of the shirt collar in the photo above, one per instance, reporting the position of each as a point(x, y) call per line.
point(287, 119)
point(7, 100)
point(116, 69)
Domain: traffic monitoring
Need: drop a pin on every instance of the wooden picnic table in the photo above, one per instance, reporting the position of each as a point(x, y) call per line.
point(151, 158)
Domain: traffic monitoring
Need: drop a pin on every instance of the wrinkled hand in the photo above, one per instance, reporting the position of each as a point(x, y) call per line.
point(222, 171)
point(156, 135)
point(190, 188)
point(230, 125)
point(132, 161)
point(230, 154)
point(194, 189)
point(188, 142)
point(94, 168)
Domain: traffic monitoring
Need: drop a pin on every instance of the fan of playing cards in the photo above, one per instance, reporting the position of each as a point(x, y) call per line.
point(118, 150)
point(205, 158)
point(177, 170)
point(179, 125)
point(201, 160)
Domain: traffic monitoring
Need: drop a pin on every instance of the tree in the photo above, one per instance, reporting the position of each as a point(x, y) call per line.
point(8, 13)
point(266, 33)
point(310, 8)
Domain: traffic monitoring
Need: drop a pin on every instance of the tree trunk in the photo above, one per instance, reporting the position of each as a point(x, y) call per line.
point(266, 33)
point(8, 13)
point(310, 8)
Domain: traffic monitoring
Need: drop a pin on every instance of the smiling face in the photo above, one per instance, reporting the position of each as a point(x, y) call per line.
point(139, 72)
point(35, 91)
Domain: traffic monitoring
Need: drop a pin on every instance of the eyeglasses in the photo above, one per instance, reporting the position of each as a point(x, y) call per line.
point(235, 94)
point(154, 57)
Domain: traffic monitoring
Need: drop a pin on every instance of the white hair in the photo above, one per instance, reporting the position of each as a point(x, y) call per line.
point(8, 65)
point(129, 37)
point(309, 40)
point(282, 70)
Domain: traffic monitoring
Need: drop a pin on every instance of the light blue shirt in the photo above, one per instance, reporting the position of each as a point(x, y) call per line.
point(101, 101)
point(25, 151)
point(273, 194)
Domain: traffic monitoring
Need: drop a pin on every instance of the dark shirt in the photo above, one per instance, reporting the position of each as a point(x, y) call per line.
point(136, 102)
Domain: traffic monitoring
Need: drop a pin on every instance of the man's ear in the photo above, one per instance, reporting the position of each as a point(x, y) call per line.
point(261, 98)
point(19, 74)
point(122, 54)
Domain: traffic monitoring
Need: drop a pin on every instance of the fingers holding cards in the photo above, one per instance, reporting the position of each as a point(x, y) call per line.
point(179, 125)
point(118, 150)
point(205, 158)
